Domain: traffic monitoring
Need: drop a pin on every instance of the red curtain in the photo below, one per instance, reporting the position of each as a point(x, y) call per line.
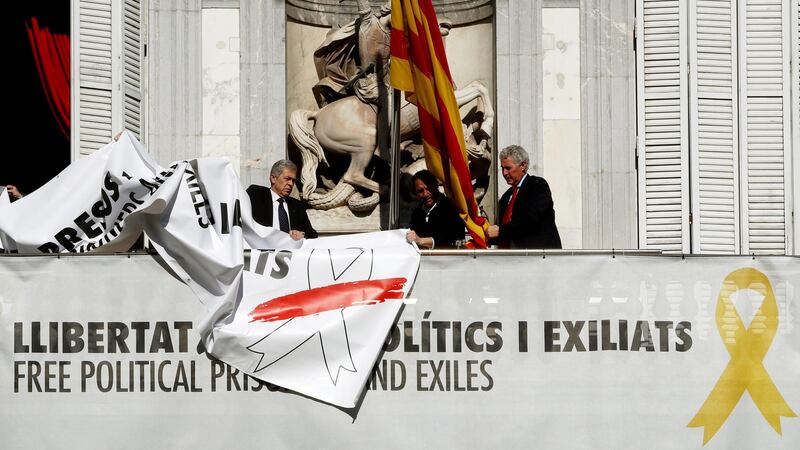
point(51, 53)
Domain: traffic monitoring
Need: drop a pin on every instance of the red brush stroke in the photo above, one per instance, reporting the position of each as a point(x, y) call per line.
point(326, 298)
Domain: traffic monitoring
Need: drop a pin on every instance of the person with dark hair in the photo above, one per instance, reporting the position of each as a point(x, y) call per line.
point(434, 222)
point(527, 217)
point(273, 207)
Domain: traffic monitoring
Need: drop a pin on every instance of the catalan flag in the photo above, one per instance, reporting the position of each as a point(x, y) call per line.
point(419, 65)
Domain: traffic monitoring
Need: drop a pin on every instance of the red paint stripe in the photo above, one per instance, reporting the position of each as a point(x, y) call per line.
point(326, 298)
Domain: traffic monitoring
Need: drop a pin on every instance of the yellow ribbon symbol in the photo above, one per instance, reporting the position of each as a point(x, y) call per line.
point(747, 347)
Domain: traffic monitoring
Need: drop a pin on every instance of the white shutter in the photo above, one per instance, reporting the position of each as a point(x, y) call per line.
point(764, 108)
point(132, 67)
point(92, 75)
point(662, 112)
point(107, 91)
point(713, 126)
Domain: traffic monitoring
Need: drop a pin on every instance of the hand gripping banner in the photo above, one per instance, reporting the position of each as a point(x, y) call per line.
point(747, 347)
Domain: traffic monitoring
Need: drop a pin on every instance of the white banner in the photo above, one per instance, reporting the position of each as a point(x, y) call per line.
point(489, 352)
point(5, 200)
point(199, 218)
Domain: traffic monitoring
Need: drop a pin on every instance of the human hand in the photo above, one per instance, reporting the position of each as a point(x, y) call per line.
point(412, 237)
point(13, 192)
point(493, 231)
point(297, 235)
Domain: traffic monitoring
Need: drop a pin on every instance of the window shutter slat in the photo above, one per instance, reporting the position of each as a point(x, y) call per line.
point(713, 126)
point(764, 108)
point(662, 91)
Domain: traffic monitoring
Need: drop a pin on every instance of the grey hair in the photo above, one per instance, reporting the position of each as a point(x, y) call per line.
point(516, 153)
point(280, 166)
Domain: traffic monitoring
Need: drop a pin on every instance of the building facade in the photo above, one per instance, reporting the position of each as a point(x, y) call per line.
point(659, 124)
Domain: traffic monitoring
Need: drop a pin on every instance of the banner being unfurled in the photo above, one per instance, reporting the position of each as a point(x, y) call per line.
point(308, 316)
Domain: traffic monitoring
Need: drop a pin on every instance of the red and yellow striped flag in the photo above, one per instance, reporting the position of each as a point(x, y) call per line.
point(419, 65)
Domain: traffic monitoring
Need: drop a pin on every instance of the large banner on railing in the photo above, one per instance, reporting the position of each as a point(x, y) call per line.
point(489, 351)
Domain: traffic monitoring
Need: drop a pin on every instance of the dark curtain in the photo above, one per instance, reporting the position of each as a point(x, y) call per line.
point(51, 55)
point(37, 116)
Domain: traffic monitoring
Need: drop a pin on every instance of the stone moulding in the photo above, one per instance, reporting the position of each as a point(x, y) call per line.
point(331, 13)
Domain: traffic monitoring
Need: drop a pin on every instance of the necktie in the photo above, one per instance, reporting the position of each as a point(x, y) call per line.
point(510, 207)
point(283, 218)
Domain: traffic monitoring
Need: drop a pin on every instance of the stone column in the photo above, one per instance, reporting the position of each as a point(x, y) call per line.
point(518, 65)
point(263, 88)
point(608, 117)
point(174, 99)
point(518, 33)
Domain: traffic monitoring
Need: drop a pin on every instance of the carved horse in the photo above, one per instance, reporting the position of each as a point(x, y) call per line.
point(348, 127)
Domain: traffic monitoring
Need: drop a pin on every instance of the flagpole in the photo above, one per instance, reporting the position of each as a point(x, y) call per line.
point(394, 193)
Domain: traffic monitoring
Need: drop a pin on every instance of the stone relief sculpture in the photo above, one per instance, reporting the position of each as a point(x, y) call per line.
point(353, 58)
point(477, 127)
point(352, 67)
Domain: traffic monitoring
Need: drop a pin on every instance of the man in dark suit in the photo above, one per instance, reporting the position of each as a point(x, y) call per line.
point(527, 218)
point(273, 207)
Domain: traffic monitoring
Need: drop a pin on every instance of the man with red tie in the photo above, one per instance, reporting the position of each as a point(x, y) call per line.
point(527, 218)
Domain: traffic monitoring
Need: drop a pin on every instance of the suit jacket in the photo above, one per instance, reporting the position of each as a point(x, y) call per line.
point(444, 224)
point(533, 220)
point(261, 201)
